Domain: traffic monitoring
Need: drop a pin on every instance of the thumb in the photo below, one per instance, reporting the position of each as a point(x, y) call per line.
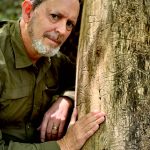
point(39, 128)
point(73, 117)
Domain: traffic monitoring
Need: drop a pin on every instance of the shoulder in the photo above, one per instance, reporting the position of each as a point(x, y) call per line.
point(2, 23)
point(2, 61)
point(5, 25)
point(3, 42)
point(61, 64)
point(61, 59)
point(5, 33)
point(3, 68)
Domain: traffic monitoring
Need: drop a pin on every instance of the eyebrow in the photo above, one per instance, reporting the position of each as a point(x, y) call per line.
point(61, 15)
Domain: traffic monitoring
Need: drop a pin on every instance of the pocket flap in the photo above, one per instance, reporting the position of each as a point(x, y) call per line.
point(16, 93)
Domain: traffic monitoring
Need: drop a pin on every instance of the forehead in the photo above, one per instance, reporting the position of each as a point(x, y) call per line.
point(69, 8)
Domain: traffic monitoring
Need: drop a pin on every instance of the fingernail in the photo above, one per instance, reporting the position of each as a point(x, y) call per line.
point(96, 111)
point(102, 113)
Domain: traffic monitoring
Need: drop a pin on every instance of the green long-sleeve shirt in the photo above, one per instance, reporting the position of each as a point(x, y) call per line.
point(27, 90)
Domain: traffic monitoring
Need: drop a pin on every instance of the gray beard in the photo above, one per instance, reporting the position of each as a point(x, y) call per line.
point(44, 50)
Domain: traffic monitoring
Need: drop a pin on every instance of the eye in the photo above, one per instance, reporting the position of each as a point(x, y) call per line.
point(54, 17)
point(70, 25)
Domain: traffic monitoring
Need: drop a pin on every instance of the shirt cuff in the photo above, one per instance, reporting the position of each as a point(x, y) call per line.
point(51, 145)
point(69, 94)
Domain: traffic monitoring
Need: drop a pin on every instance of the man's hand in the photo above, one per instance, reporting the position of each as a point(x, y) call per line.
point(81, 131)
point(54, 120)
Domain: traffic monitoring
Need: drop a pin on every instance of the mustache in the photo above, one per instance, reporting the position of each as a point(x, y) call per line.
point(54, 36)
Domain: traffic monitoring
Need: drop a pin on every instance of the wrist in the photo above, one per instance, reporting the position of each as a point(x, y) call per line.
point(69, 100)
point(69, 142)
point(62, 144)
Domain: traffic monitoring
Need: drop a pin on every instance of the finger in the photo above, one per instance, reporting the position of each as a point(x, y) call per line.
point(61, 128)
point(91, 117)
point(55, 130)
point(101, 120)
point(54, 135)
point(91, 128)
point(51, 132)
point(50, 129)
point(90, 120)
point(99, 117)
point(73, 117)
point(90, 132)
point(39, 128)
point(93, 124)
point(43, 128)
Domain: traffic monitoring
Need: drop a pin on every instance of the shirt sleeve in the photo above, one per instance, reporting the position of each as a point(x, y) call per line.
point(52, 145)
point(67, 79)
point(65, 70)
point(2, 70)
point(70, 94)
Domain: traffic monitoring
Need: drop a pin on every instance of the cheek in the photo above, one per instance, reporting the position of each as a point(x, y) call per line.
point(36, 31)
point(66, 36)
point(42, 28)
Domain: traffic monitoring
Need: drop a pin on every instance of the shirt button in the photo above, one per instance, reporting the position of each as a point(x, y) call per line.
point(36, 107)
point(28, 126)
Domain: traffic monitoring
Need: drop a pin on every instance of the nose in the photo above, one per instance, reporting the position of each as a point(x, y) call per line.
point(61, 28)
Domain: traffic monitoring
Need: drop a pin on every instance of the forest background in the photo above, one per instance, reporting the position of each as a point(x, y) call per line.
point(10, 9)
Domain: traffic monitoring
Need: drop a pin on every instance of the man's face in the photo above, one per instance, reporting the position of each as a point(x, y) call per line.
point(51, 23)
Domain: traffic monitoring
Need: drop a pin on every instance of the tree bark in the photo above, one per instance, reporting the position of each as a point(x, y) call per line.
point(113, 72)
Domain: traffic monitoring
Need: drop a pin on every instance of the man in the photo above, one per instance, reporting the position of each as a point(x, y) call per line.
point(36, 79)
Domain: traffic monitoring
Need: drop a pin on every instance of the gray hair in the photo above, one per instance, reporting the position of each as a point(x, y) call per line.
point(36, 3)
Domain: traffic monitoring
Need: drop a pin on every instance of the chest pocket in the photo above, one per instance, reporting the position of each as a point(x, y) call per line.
point(15, 103)
point(16, 93)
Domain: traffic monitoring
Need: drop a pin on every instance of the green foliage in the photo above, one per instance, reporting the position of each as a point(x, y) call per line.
point(10, 9)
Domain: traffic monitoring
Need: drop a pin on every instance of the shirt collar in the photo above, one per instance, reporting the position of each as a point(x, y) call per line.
point(21, 58)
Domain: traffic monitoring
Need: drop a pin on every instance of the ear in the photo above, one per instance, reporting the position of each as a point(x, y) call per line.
point(26, 10)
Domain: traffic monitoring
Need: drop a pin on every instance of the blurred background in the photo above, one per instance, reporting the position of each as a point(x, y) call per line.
point(11, 9)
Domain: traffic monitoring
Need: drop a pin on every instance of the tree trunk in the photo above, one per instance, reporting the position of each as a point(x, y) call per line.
point(114, 72)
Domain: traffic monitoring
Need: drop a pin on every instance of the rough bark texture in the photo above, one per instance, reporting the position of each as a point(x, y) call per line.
point(114, 72)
